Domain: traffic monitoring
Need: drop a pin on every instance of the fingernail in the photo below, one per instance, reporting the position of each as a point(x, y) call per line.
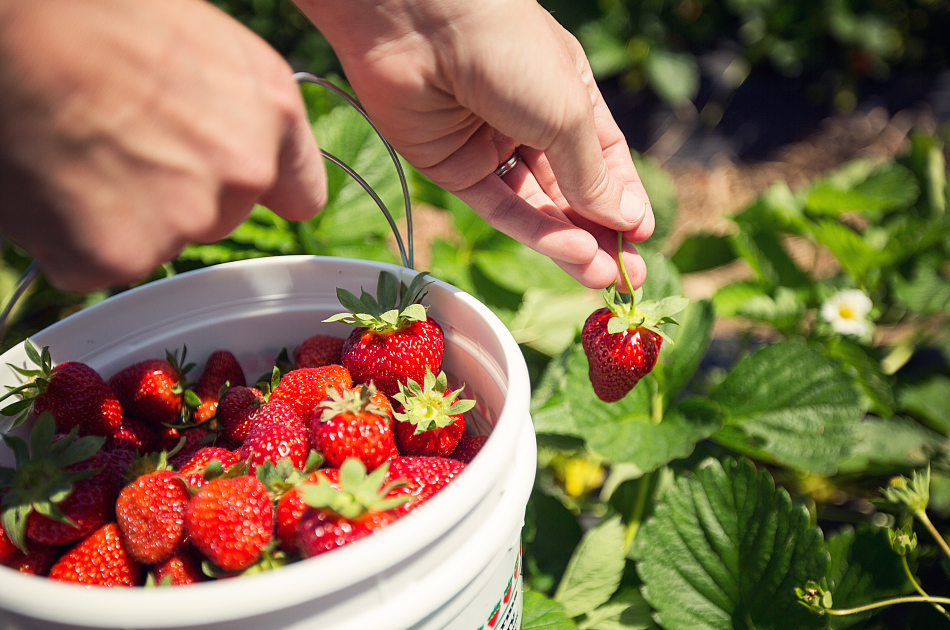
point(632, 207)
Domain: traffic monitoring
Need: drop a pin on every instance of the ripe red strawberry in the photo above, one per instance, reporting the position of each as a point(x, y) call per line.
point(357, 508)
point(351, 426)
point(303, 389)
point(318, 351)
point(101, 559)
point(8, 550)
point(275, 440)
point(424, 477)
point(182, 445)
point(133, 435)
point(468, 447)
point(429, 421)
point(623, 339)
point(150, 512)
point(183, 567)
point(395, 339)
point(152, 390)
point(61, 489)
point(235, 409)
point(195, 468)
point(222, 368)
point(230, 520)
point(74, 393)
point(38, 559)
point(291, 506)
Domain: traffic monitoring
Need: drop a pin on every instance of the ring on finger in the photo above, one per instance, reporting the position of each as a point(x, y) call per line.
point(505, 167)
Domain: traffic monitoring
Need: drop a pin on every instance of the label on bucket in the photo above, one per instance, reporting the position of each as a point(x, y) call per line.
point(506, 615)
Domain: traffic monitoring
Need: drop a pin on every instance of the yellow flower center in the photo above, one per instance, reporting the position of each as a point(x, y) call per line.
point(845, 312)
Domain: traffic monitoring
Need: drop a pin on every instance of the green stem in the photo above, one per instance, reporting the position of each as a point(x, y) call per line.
point(919, 588)
point(657, 406)
point(922, 516)
point(623, 269)
point(633, 524)
point(887, 602)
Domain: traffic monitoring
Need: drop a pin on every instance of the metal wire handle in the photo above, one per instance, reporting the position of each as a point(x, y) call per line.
point(406, 255)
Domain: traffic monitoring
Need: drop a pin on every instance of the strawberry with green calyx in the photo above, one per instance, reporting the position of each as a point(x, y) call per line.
point(283, 481)
point(395, 339)
point(74, 393)
point(623, 339)
point(150, 510)
point(430, 421)
point(208, 462)
point(154, 390)
point(54, 495)
point(351, 425)
point(338, 516)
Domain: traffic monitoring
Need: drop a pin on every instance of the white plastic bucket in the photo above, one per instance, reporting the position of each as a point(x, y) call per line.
point(453, 564)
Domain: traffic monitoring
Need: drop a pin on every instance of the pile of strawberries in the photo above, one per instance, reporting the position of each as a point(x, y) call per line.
point(147, 477)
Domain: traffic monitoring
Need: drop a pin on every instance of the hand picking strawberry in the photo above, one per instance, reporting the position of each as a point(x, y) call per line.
point(623, 339)
point(395, 339)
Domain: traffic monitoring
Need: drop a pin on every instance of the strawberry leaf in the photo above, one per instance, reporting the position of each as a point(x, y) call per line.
point(541, 613)
point(726, 549)
point(594, 570)
point(791, 404)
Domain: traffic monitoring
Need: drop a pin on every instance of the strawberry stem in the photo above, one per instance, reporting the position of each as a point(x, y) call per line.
point(623, 270)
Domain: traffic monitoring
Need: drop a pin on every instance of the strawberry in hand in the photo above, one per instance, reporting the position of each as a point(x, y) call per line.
point(623, 339)
point(395, 339)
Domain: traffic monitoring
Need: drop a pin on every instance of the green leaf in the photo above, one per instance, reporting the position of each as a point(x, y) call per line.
point(925, 292)
point(521, 268)
point(551, 532)
point(888, 445)
point(541, 613)
point(928, 400)
point(548, 319)
point(627, 610)
point(691, 340)
point(725, 549)
point(702, 252)
point(792, 403)
point(861, 187)
point(863, 569)
point(877, 386)
point(595, 569)
point(624, 431)
point(673, 76)
point(350, 213)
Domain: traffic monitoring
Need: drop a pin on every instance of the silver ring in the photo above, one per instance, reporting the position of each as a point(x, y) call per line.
point(505, 167)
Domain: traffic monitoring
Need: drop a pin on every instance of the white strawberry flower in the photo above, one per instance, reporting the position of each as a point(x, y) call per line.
point(847, 312)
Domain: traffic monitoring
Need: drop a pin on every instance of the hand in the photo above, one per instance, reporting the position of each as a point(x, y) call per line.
point(457, 85)
point(129, 129)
